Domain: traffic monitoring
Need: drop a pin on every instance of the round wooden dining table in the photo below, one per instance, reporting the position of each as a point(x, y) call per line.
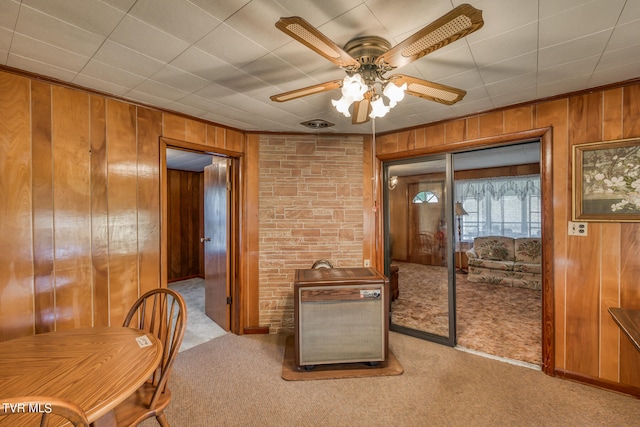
point(96, 368)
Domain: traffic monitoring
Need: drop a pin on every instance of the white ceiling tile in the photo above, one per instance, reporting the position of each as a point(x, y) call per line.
point(514, 67)
point(180, 18)
point(43, 52)
point(5, 39)
point(104, 71)
point(408, 17)
point(147, 98)
point(505, 45)
point(623, 35)
point(94, 16)
point(155, 88)
point(630, 13)
point(185, 109)
point(446, 62)
point(621, 73)
point(200, 63)
point(620, 57)
point(227, 44)
point(127, 59)
point(221, 9)
point(147, 39)
point(591, 17)
point(501, 16)
point(573, 50)
point(357, 22)
point(123, 5)
point(4, 55)
point(256, 21)
point(9, 13)
point(37, 67)
point(100, 85)
point(563, 86)
point(51, 30)
point(566, 70)
point(180, 79)
point(512, 85)
point(317, 13)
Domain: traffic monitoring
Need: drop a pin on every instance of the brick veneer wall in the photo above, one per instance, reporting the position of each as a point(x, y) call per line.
point(310, 209)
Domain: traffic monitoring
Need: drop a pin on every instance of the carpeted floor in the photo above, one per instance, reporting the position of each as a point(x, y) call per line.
point(236, 381)
point(200, 328)
point(492, 319)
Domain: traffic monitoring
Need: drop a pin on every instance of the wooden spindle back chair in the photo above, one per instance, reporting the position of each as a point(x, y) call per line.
point(161, 312)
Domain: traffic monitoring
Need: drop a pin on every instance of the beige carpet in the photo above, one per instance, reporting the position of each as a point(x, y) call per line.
point(493, 319)
point(235, 381)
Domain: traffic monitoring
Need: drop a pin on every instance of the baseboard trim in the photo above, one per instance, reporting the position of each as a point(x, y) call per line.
point(256, 330)
point(599, 382)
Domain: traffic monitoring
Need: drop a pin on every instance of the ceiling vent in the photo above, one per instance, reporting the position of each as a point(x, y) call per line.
point(317, 124)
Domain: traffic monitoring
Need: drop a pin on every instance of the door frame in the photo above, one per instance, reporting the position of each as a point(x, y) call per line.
point(234, 220)
point(544, 135)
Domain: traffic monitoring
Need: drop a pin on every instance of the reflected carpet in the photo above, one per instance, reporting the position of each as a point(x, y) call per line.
point(493, 319)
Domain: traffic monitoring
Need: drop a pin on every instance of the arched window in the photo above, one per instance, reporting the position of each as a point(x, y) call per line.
point(425, 197)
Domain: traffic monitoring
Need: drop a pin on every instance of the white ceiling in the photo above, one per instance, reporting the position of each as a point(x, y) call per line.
point(221, 60)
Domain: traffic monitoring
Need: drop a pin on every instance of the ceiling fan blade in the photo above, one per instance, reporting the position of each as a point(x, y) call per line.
point(361, 111)
point(309, 90)
point(309, 36)
point(460, 22)
point(428, 90)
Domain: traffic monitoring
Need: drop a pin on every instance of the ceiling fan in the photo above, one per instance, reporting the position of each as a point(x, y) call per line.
point(367, 59)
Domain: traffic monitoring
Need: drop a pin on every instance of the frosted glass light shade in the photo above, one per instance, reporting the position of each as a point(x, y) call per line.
point(378, 109)
point(342, 105)
point(394, 93)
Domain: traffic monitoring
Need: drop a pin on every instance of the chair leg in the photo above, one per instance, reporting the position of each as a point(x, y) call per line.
point(162, 420)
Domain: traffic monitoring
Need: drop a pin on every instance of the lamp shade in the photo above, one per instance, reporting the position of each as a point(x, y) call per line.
point(459, 209)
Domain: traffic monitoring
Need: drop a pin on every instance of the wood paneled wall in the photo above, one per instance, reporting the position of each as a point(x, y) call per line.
point(590, 274)
point(80, 200)
point(185, 224)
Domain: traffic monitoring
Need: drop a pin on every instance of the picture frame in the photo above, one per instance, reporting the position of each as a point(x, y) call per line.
point(606, 181)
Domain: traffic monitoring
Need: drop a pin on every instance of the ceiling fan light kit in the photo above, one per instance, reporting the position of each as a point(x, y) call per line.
point(366, 60)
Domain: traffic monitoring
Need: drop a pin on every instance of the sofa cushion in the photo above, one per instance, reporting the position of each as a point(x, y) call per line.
point(496, 248)
point(528, 250)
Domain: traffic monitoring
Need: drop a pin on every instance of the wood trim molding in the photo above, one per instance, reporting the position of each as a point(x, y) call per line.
point(598, 382)
point(237, 227)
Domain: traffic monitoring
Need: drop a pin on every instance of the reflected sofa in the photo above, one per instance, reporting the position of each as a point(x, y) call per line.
point(506, 261)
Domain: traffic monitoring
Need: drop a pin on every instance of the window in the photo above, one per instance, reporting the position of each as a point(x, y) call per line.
point(425, 197)
point(505, 206)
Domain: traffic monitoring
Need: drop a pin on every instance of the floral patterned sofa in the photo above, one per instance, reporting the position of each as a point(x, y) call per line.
point(506, 261)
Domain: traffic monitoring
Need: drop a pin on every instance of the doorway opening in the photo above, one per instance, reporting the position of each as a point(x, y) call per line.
point(200, 235)
point(428, 245)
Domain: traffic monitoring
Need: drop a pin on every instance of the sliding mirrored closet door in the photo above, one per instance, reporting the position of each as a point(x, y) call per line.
point(418, 237)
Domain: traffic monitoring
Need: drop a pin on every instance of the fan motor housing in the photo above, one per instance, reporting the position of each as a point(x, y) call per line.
point(367, 49)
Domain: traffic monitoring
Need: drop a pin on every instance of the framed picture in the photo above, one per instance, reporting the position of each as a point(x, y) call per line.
point(606, 181)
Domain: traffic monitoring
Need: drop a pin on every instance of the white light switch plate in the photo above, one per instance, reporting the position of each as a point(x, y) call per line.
point(577, 228)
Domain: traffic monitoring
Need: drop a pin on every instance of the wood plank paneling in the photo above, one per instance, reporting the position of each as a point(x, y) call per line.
point(72, 207)
point(234, 141)
point(629, 298)
point(99, 212)
point(122, 170)
point(195, 132)
point(491, 124)
point(184, 218)
point(42, 160)
point(149, 131)
point(518, 119)
point(583, 278)
point(16, 274)
point(174, 127)
point(610, 283)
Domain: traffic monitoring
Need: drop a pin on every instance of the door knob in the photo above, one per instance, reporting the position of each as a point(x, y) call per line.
point(205, 239)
